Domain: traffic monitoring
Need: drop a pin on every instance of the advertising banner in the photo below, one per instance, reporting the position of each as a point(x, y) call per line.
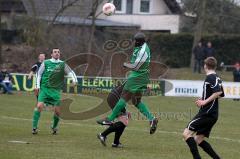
point(86, 85)
point(188, 88)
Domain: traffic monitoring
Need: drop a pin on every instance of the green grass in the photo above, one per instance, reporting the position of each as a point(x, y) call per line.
point(77, 139)
point(187, 74)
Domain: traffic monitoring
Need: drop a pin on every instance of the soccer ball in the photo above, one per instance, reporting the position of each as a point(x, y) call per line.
point(108, 9)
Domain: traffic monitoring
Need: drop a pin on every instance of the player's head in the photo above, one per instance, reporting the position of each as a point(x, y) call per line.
point(55, 53)
point(140, 39)
point(210, 63)
point(41, 57)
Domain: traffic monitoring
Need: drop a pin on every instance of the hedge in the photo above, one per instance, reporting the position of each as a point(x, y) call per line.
point(175, 49)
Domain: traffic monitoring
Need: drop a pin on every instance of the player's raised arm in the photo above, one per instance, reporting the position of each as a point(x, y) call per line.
point(70, 73)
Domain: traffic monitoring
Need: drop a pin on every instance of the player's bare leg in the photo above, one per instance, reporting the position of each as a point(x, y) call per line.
point(36, 116)
point(125, 97)
point(121, 104)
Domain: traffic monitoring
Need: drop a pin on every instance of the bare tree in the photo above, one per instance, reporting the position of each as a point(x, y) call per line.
point(0, 37)
point(93, 25)
point(60, 11)
point(199, 27)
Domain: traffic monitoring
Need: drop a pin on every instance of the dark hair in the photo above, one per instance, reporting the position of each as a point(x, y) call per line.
point(54, 48)
point(42, 53)
point(211, 63)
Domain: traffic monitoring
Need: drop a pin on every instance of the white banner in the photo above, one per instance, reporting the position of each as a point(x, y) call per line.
point(188, 88)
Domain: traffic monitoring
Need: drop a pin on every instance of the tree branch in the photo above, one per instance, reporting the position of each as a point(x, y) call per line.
point(60, 11)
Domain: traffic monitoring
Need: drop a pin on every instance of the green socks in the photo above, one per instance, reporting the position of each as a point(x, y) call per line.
point(36, 116)
point(145, 111)
point(117, 109)
point(55, 121)
point(122, 104)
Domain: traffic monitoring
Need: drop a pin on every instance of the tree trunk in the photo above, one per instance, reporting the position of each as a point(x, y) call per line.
point(93, 26)
point(199, 27)
point(1, 60)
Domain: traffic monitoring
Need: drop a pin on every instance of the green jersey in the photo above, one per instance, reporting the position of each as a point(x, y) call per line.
point(140, 64)
point(51, 74)
point(141, 58)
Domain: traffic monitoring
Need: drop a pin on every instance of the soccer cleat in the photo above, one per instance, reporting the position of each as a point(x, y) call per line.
point(153, 125)
point(104, 121)
point(117, 145)
point(34, 131)
point(102, 139)
point(54, 131)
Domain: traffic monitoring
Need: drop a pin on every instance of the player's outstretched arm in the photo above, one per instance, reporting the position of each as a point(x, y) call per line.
point(70, 73)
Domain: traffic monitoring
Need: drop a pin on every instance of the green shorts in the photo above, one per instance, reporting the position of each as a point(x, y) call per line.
point(136, 82)
point(49, 96)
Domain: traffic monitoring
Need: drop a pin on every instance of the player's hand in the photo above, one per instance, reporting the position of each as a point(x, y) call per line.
point(36, 91)
point(73, 84)
point(125, 64)
point(200, 102)
point(29, 77)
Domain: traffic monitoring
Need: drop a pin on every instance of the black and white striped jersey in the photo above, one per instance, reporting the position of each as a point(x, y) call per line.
point(212, 84)
point(36, 66)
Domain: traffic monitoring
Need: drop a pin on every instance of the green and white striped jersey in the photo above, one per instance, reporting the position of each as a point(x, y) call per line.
point(141, 58)
point(51, 74)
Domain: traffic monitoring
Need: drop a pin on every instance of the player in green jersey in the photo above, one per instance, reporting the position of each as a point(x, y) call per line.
point(50, 80)
point(136, 83)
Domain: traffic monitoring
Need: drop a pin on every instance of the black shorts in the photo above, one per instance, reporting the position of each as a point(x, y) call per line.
point(202, 125)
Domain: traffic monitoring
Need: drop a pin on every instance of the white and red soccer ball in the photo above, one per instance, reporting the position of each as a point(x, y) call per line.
point(108, 9)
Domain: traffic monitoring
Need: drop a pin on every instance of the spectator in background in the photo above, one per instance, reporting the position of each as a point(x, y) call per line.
point(6, 81)
point(198, 52)
point(209, 50)
point(34, 69)
point(236, 75)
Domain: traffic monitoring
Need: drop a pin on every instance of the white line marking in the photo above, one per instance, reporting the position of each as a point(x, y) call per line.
point(131, 129)
point(19, 142)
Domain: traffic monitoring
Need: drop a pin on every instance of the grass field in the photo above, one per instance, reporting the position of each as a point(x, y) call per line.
point(77, 139)
point(187, 74)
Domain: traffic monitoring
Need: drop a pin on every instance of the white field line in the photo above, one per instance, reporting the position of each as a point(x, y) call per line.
point(131, 129)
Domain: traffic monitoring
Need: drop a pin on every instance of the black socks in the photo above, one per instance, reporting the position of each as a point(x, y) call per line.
point(193, 147)
point(208, 149)
point(118, 128)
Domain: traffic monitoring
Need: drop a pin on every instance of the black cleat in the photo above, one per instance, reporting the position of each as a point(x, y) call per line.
point(34, 131)
point(54, 131)
point(117, 145)
point(102, 139)
point(153, 125)
point(104, 121)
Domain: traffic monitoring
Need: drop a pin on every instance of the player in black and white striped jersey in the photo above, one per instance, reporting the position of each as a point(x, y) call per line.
point(207, 116)
point(36, 66)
